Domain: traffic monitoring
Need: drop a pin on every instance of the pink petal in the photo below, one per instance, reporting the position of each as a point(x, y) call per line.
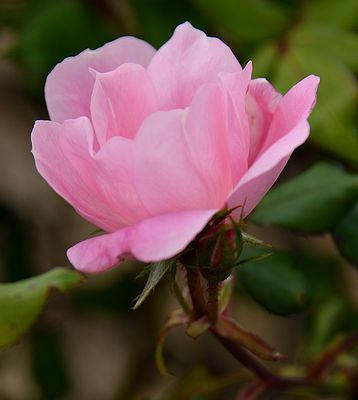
point(53, 164)
point(69, 86)
point(151, 240)
point(294, 106)
point(262, 101)
point(165, 177)
point(109, 172)
point(188, 60)
point(206, 137)
point(289, 129)
point(115, 178)
point(265, 170)
point(236, 85)
point(121, 100)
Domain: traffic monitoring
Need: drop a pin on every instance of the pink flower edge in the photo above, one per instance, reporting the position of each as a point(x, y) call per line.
point(151, 240)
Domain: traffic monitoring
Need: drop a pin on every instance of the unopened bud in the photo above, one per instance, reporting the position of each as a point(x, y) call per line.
point(218, 253)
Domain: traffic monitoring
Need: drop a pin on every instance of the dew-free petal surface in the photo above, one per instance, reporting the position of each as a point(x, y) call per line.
point(153, 239)
point(165, 177)
point(59, 172)
point(121, 100)
point(188, 60)
point(265, 170)
point(69, 86)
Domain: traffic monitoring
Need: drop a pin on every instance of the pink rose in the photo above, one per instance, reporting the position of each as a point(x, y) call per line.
point(148, 145)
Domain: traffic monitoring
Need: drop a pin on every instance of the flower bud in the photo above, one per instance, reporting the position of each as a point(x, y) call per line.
point(219, 251)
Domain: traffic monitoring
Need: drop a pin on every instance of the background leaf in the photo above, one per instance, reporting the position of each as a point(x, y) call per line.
point(249, 20)
point(343, 13)
point(22, 302)
point(276, 284)
point(345, 235)
point(312, 202)
point(46, 31)
point(48, 362)
point(332, 122)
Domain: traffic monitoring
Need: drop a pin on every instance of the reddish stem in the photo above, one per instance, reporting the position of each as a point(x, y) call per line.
point(196, 293)
point(258, 369)
point(328, 358)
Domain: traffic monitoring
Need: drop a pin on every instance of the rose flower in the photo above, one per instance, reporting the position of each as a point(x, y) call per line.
point(148, 145)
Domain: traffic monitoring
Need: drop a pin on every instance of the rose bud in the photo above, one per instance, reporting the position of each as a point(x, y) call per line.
point(218, 253)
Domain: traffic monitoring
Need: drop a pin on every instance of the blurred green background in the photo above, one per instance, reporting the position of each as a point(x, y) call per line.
point(89, 344)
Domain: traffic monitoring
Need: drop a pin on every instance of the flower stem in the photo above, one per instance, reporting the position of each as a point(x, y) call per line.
point(182, 301)
point(213, 306)
point(258, 369)
point(196, 293)
point(318, 369)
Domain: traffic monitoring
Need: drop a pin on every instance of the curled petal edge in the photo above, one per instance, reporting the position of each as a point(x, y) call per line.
point(153, 239)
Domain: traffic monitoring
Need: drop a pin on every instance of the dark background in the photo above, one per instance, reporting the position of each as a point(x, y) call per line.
point(89, 344)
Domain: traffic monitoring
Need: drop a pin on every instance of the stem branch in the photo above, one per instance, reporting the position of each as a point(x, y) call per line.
point(258, 369)
point(196, 293)
point(213, 304)
point(179, 295)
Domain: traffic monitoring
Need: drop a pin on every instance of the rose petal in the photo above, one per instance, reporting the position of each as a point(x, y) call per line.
point(188, 60)
point(289, 129)
point(151, 240)
point(206, 137)
point(53, 164)
point(262, 101)
point(121, 100)
point(265, 170)
point(294, 106)
point(236, 85)
point(69, 86)
point(115, 163)
point(99, 186)
point(165, 177)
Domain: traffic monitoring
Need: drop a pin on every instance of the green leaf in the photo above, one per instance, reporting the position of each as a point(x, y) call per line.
point(325, 321)
point(312, 202)
point(336, 43)
point(333, 126)
point(342, 13)
point(265, 59)
point(49, 365)
point(345, 235)
point(276, 284)
point(156, 22)
point(22, 302)
point(248, 20)
point(157, 271)
point(46, 40)
point(333, 120)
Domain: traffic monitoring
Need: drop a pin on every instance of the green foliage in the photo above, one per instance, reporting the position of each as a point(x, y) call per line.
point(22, 302)
point(247, 20)
point(46, 31)
point(320, 39)
point(276, 283)
point(313, 202)
point(48, 363)
point(287, 40)
point(343, 13)
point(156, 21)
point(156, 273)
point(324, 324)
point(345, 235)
point(332, 122)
